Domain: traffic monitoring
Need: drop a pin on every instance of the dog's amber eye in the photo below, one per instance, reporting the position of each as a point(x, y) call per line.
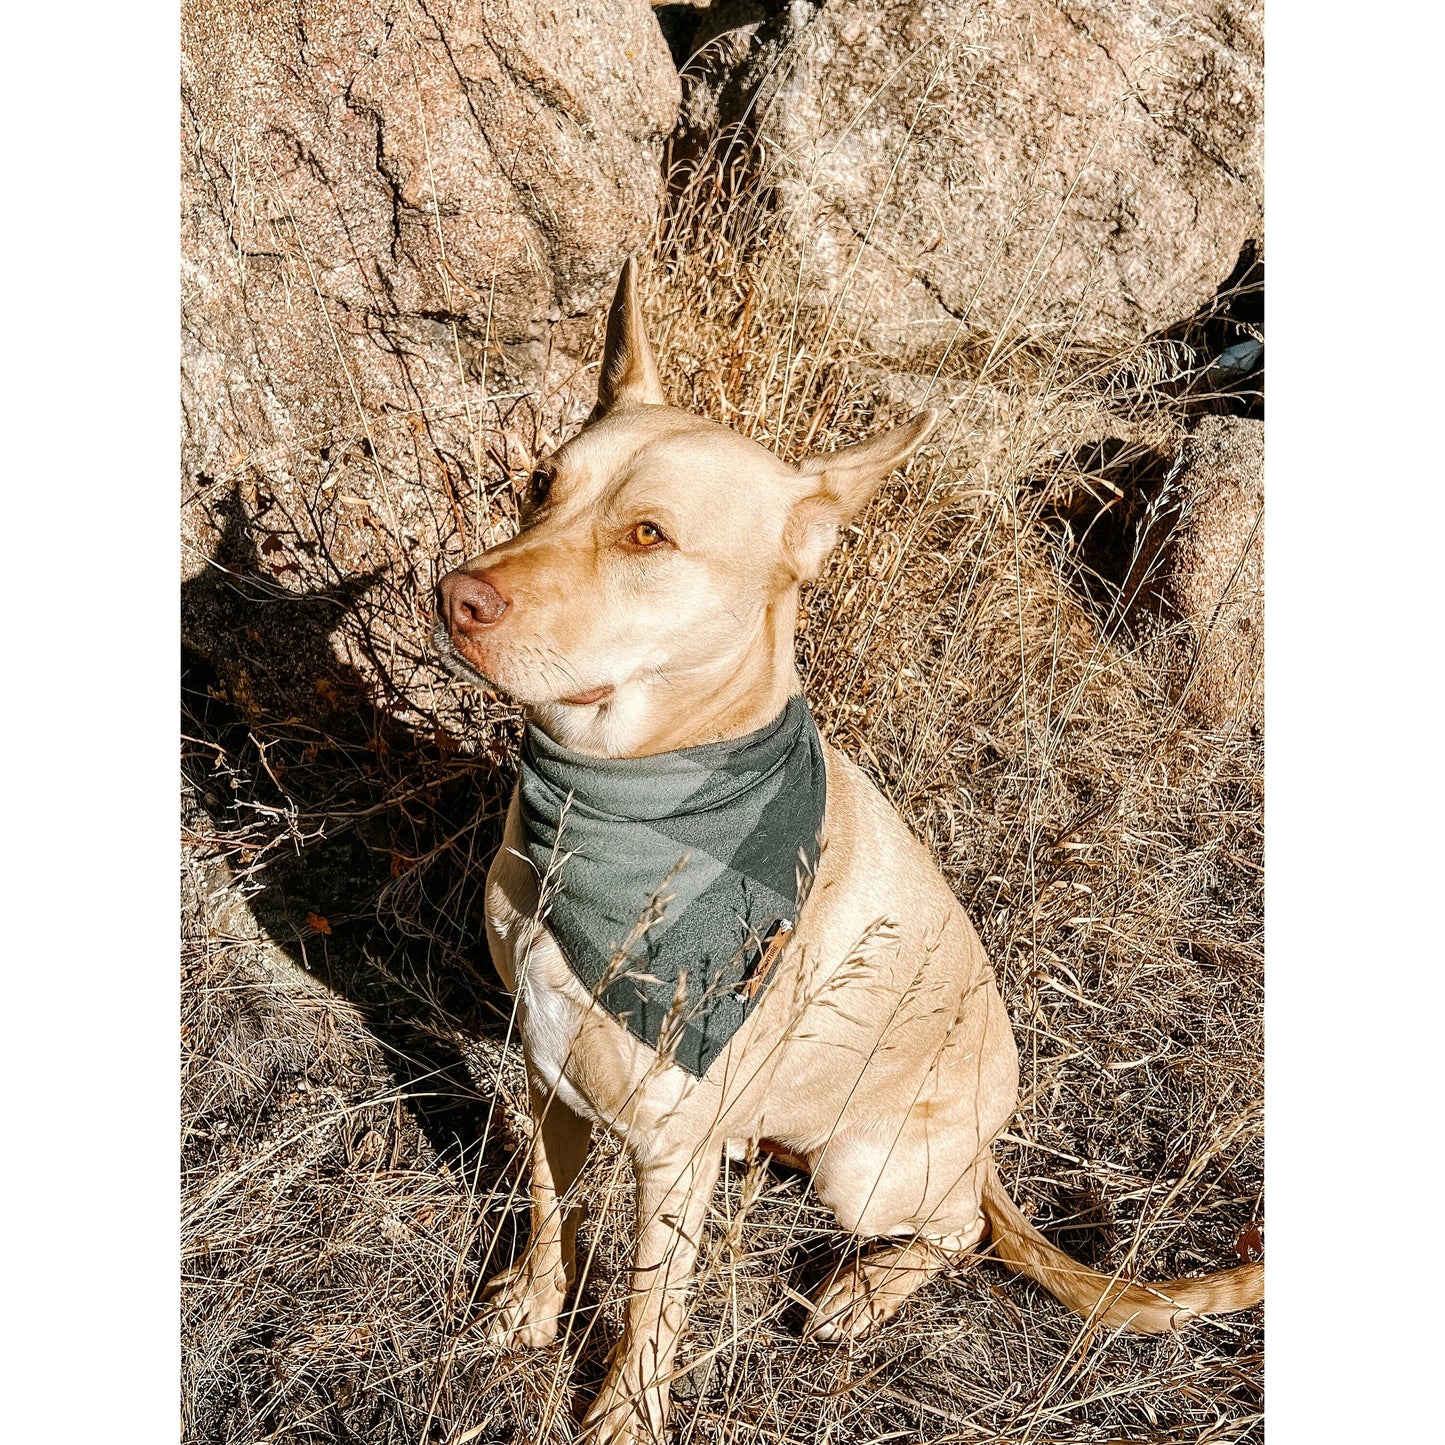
point(646, 534)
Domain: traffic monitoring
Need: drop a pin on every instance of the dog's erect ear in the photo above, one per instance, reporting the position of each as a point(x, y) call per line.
point(629, 374)
point(842, 482)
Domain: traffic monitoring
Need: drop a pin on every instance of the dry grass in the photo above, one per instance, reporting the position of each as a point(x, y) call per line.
point(355, 1132)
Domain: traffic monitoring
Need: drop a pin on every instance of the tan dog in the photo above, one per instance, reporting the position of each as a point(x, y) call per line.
point(649, 604)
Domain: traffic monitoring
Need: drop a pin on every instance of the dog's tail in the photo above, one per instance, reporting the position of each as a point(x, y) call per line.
point(1149, 1309)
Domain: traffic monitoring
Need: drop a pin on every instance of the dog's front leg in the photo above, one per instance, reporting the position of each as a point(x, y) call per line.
point(672, 1200)
point(523, 1304)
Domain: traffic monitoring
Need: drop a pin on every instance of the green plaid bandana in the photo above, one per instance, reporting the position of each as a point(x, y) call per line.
point(671, 882)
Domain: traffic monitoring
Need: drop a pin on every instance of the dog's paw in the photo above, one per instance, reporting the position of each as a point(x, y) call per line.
point(521, 1310)
point(623, 1414)
point(862, 1293)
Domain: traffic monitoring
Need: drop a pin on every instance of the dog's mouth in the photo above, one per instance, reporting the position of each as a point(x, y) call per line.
point(590, 697)
point(455, 660)
point(461, 666)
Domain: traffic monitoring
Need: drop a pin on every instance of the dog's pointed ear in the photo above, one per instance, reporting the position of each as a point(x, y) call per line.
point(629, 373)
point(839, 486)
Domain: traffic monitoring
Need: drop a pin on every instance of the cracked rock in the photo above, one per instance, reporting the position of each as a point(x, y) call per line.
point(374, 195)
point(399, 221)
point(1084, 170)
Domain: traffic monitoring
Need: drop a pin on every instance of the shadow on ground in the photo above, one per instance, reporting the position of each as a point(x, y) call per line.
point(323, 803)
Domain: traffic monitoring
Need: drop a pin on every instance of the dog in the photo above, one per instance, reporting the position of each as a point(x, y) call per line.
point(644, 617)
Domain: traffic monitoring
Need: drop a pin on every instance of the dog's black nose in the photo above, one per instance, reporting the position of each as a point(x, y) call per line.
point(469, 602)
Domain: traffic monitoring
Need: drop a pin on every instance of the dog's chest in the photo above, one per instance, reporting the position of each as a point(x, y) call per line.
point(575, 1051)
point(551, 1005)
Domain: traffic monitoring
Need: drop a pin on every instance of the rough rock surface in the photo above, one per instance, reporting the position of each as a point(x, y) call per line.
point(1213, 574)
point(374, 193)
point(1089, 168)
point(399, 224)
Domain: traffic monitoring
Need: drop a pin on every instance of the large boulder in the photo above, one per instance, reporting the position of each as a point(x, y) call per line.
point(357, 177)
point(1213, 570)
point(391, 216)
point(1087, 169)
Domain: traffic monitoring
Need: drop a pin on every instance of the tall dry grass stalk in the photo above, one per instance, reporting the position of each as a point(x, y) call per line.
point(357, 1132)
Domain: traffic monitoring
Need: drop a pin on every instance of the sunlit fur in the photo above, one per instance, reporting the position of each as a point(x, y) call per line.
point(694, 636)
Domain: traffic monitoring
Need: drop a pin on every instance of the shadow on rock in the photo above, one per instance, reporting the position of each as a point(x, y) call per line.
point(1119, 504)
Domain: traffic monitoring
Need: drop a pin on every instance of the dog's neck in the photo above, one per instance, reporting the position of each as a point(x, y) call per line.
point(725, 697)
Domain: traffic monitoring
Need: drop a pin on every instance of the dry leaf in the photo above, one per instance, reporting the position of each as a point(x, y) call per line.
point(1250, 1244)
point(317, 923)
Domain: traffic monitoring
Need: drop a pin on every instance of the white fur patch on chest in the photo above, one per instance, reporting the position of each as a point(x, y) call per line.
point(550, 1019)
